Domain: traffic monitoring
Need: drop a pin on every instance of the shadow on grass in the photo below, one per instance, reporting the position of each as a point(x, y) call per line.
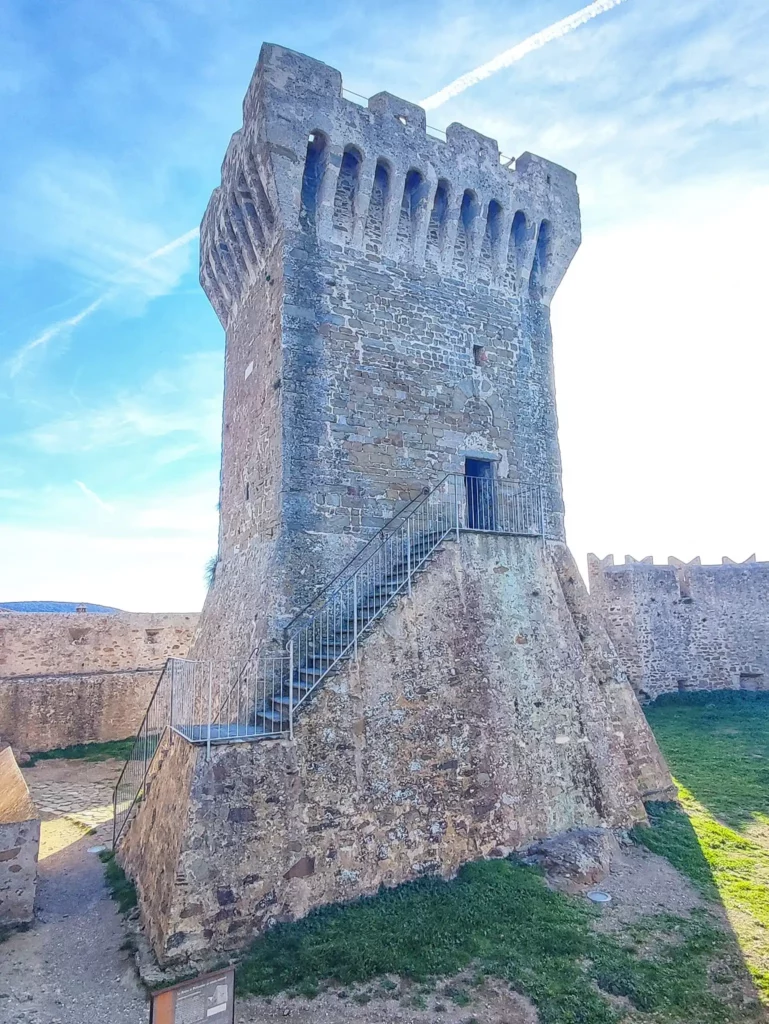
point(118, 749)
point(717, 746)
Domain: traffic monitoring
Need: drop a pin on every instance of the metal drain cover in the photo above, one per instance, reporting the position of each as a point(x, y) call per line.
point(599, 897)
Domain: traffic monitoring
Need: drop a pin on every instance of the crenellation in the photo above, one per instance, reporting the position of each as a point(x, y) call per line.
point(281, 113)
point(685, 625)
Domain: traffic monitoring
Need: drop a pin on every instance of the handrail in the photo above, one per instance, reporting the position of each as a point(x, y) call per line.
point(142, 736)
point(389, 526)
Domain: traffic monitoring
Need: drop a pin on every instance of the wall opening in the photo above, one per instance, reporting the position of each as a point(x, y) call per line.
point(436, 229)
point(491, 238)
point(315, 163)
point(347, 191)
point(413, 196)
point(479, 486)
point(377, 205)
point(543, 255)
point(151, 636)
point(467, 214)
point(479, 355)
point(516, 250)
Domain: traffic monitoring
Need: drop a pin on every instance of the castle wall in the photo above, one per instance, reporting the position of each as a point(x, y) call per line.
point(50, 712)
point(480, 715)
point(385, 296)
point(680, 627)
point(82, 677)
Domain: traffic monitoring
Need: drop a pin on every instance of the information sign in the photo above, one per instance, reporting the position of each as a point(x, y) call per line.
point(207, 999)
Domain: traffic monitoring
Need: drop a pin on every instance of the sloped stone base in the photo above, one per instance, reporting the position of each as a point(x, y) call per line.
point(482, 714)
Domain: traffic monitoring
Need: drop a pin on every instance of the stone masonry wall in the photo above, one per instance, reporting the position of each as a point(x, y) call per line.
point(50, 712)
point(19, 845)
point(385, 296)
point(686, 626)
point(475, 720)
point(82, 678)
point(35, 644)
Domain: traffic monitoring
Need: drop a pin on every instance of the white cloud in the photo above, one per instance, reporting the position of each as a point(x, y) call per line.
point(515, 53)
point(149, 275)
point(149, 554)
point(185, 400)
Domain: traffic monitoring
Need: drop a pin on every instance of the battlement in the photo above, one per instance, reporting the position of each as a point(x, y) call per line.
point(370, 179)
point(597, 565)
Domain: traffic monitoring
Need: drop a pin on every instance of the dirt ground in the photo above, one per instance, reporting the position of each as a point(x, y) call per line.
point(69, 967)
point(493, 1003)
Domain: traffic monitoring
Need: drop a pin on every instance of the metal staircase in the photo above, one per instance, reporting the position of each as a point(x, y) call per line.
point(208, 702)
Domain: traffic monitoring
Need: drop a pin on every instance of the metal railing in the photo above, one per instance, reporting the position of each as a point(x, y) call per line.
point(218, 702)
point(129, 788)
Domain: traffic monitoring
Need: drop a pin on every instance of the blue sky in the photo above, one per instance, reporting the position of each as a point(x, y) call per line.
point(115, 118)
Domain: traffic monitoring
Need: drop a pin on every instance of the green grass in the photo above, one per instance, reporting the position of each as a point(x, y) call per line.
point(499, 918)
point(120, 886)
point(717, 746)
point(118, 749)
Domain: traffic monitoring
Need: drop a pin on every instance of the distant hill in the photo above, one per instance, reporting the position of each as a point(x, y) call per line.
point(55, 606)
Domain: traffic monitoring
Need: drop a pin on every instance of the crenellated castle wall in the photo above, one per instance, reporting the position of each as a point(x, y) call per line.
point(386, 300)
point(686, 626)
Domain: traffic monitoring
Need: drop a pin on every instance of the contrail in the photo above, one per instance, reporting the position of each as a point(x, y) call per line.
point(94, 497)
point(20, 358)
point(517, 52)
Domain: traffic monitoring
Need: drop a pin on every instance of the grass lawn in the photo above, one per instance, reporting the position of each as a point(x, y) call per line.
point(498, 918)
point(119, 749)
point(717, 746)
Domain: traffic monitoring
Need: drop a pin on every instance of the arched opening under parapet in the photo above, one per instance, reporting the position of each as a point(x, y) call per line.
point(347, 191)
point(542, 258)
point(376, 207)
point(468, 212)
point(315, 163)
point(436, 229)
point(246, 202)
point(492, 238)
point(519, 236)
point(414, 190)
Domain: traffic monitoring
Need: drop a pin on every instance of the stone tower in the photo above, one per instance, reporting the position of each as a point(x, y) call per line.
point(385, 296)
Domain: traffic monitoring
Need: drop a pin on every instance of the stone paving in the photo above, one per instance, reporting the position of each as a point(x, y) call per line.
point(78, 790)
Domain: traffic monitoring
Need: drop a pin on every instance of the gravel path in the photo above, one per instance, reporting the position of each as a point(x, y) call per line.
point(69, 968)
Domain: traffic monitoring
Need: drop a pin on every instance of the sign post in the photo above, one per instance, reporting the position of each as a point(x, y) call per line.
point(207, 999)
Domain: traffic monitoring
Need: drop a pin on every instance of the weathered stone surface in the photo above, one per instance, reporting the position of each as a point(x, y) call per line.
point(686, 626)
point(576, 859)
point(448, 740)
point(385, 297)
point(82, 678)
point(381, 327)
point(19, 844)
